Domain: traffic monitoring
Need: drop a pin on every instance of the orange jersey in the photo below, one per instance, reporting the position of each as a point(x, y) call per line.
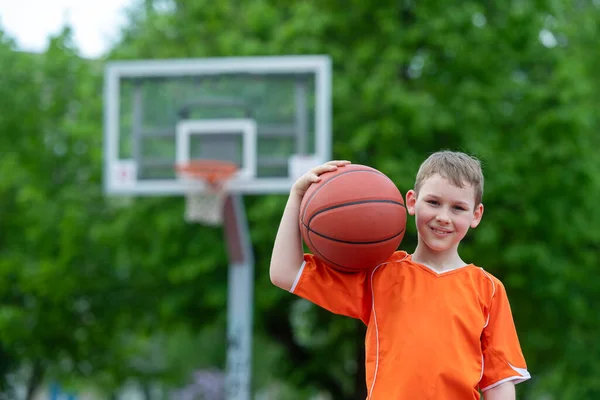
point(429, 335)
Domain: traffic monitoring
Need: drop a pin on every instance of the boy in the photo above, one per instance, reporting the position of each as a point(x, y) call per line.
point(437, 327)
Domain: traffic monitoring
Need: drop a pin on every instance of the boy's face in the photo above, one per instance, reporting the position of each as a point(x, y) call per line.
point(443, 212)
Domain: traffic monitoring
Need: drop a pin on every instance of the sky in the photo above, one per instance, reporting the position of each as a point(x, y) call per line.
point(95, 23)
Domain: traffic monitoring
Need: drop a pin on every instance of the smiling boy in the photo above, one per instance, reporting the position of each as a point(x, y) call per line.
point(437, 326)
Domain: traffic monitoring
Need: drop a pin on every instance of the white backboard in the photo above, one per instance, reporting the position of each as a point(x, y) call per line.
point(270, 115)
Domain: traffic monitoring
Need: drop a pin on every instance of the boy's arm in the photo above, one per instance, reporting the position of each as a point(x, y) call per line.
point(288, 253)
point(504, 391)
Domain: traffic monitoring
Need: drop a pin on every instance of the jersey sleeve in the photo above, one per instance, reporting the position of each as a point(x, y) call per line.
point(503, 360)
point(341, 293)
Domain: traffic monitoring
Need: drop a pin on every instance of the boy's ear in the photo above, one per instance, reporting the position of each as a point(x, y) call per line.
point(411, 200)
point(477, 214)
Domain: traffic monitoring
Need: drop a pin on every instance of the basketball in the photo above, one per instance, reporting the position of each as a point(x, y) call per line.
point(353, 219)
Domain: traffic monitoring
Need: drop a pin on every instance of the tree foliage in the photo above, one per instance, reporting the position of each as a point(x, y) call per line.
point(91, 286)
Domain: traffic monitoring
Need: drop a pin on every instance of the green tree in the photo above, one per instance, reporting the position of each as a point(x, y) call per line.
point(512, 83)
point(43, 214)
point(90, 283)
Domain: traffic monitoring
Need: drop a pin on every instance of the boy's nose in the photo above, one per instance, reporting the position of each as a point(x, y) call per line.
point(442, 218)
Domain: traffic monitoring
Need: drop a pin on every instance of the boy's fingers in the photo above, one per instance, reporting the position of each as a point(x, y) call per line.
point(338, 163)
point(311, 178)
point(329, 166)
point(323, 168)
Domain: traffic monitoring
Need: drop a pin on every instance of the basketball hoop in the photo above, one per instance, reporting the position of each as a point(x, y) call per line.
point(206, 206)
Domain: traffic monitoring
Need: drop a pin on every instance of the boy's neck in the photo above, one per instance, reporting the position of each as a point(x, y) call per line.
point(438, 261)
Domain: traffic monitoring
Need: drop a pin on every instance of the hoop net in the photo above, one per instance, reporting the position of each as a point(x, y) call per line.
point(206, 206)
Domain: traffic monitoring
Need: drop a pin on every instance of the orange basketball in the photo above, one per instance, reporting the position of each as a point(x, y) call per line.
point(353, 219)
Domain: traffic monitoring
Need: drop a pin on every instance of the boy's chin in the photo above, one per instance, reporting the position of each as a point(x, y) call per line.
point(439, 247)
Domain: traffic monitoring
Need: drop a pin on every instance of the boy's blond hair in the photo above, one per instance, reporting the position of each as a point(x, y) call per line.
point(457, 167)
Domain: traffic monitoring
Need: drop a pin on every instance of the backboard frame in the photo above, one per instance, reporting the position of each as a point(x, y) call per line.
point(120, 175)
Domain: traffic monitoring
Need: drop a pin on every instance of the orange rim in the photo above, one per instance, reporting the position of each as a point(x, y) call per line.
point(210, 171)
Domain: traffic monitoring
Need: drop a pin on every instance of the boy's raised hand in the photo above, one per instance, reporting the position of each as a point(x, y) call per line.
point(313, 176)
point(287, 256)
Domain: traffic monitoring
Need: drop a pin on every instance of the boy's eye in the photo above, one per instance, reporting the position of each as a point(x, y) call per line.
point(459, 208)
point(433, 202)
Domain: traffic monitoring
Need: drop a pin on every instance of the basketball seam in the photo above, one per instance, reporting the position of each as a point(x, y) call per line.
point(353, 203)
point(327, 260)
point(318, 253)
point(335, 177)
point(341, 267)
point(350, 242)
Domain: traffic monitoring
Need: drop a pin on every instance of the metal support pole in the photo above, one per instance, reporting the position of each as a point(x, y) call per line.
point(239, 301)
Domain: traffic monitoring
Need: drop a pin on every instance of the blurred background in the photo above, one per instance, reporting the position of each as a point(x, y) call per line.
point(104, 298)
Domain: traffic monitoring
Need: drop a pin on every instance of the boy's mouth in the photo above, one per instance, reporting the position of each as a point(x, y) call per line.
point(440, 231)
